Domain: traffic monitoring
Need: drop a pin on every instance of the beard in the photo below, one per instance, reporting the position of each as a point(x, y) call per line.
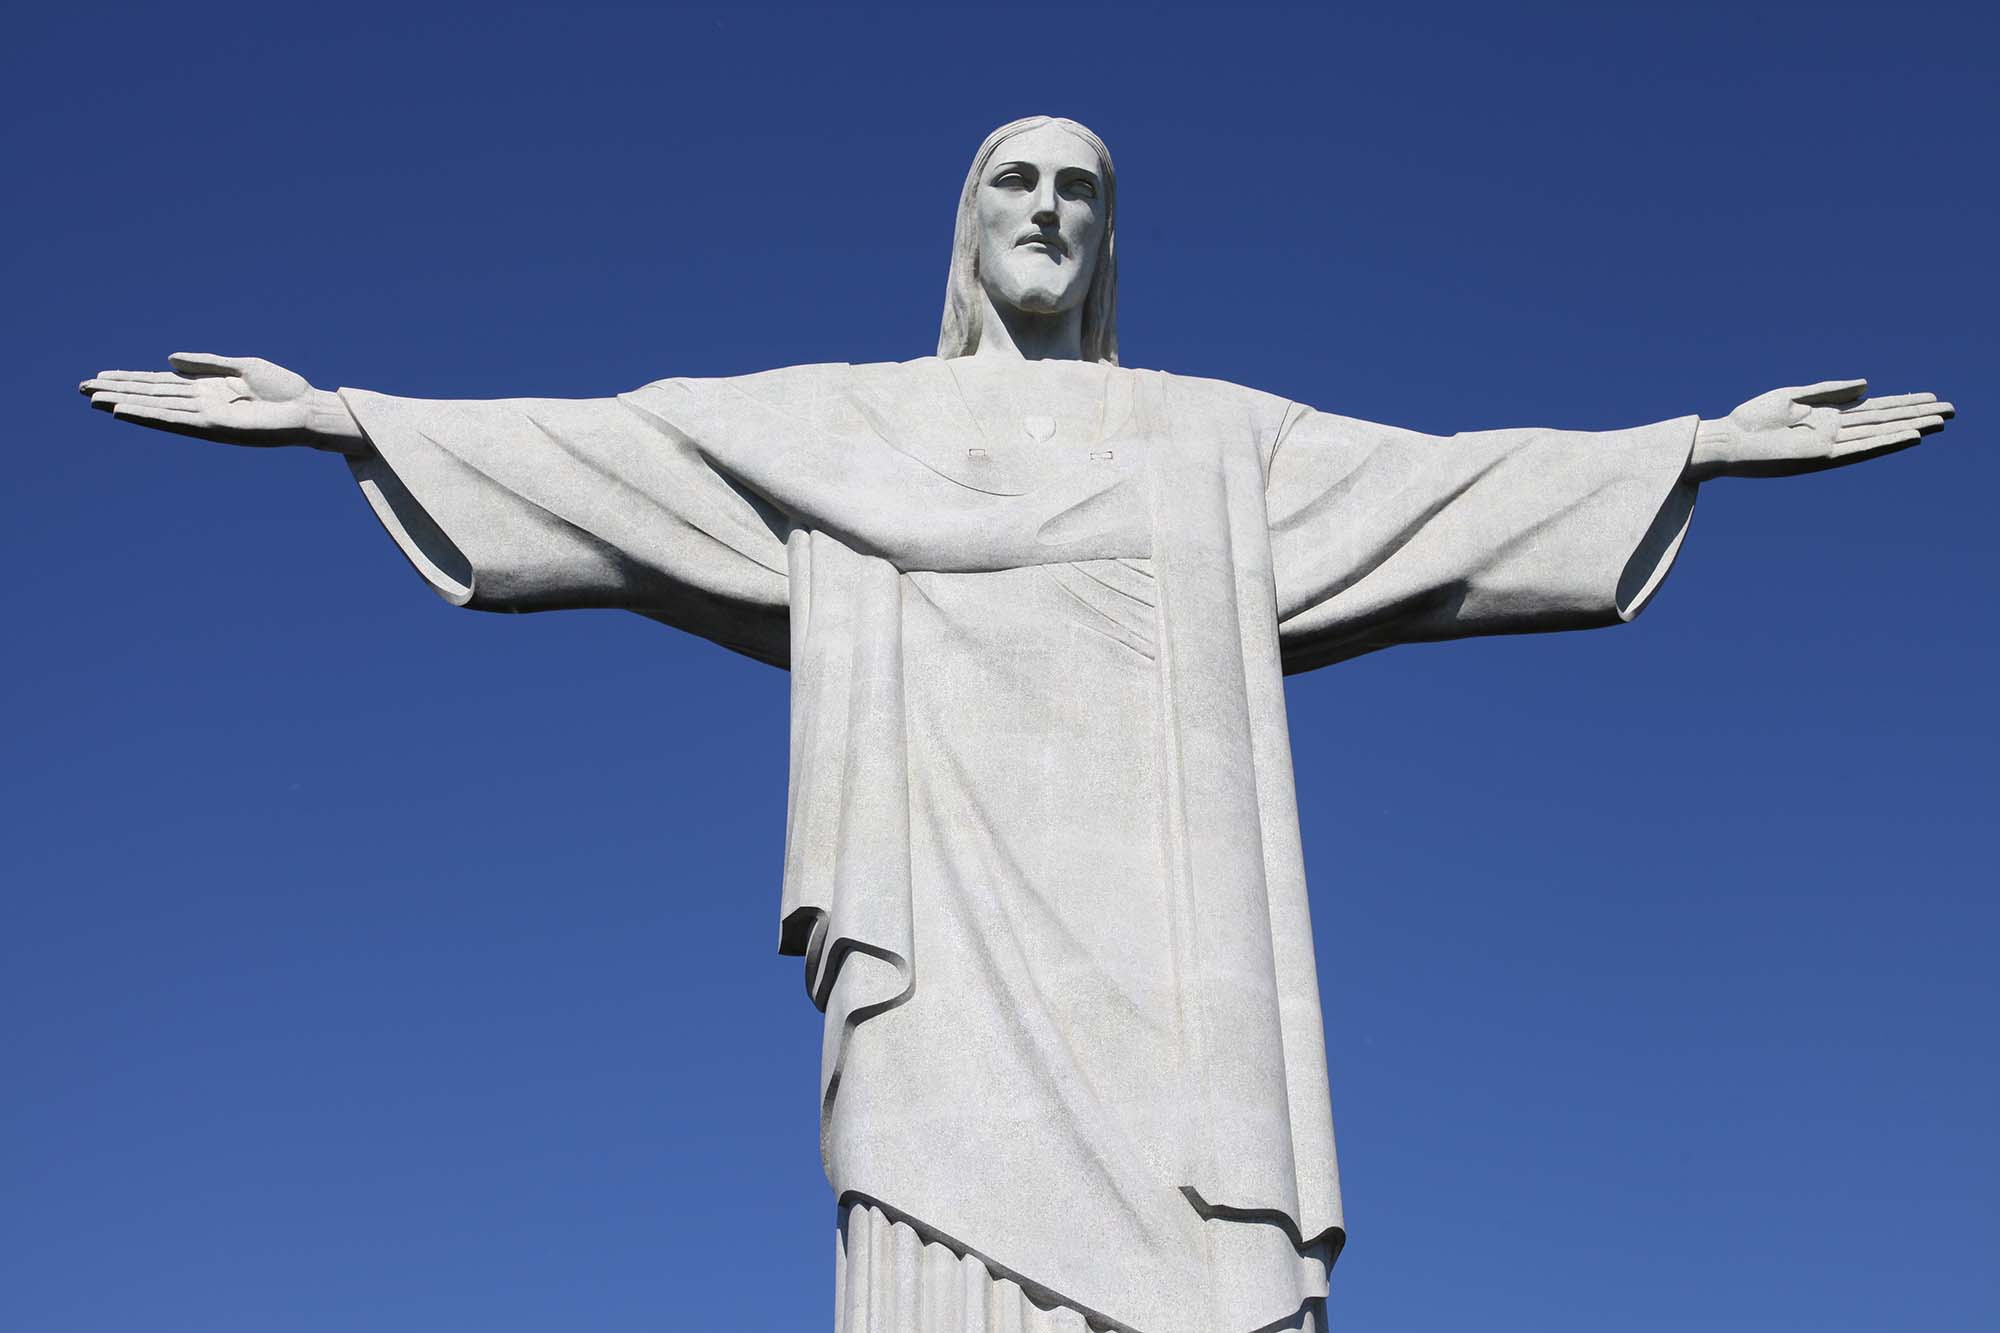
point(1037, 287)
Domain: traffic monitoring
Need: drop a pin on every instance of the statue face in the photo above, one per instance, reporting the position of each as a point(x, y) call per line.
point(1041, 216)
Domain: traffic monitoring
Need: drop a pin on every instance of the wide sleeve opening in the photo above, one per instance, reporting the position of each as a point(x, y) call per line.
point(412, 528)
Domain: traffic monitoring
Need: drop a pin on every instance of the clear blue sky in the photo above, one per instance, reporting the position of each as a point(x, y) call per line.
point(367, 964)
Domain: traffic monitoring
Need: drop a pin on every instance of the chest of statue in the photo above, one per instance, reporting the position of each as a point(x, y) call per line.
point(937, 466)
point(1013, 428)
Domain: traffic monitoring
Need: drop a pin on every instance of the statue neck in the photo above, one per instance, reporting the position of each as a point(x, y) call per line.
point(1020, 335)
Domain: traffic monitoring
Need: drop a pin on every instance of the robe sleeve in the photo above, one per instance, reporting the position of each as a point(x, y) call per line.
point(544, 504)
point(1383, 536)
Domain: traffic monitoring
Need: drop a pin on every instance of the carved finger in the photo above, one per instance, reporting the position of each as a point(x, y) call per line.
point(1830, 393)
point(1929, 422)
point(1893, 400)
point(179, 423)
point(173, 387)
point(1921, 426)
point(142, 376)
point(1872, 446)
point(105, 400)
point(208, 363)
point(1868, 416)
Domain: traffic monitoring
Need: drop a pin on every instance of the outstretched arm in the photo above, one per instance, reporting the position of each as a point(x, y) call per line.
point(1382, 536)
point(525, 504)
point(242, 400)
point(1830, 424)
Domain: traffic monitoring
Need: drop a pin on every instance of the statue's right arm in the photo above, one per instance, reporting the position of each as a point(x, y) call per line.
point(513, 504)
point(242, 400)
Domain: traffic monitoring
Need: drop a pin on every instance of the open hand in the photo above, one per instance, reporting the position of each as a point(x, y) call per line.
point(231, 399)
point(1830, 424)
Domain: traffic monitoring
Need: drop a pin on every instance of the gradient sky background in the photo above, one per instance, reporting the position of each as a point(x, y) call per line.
point(367, 964)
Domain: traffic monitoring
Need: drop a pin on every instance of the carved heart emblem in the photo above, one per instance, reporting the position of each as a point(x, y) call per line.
point(1039, 429)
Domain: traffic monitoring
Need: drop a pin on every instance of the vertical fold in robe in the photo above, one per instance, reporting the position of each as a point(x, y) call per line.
point(1260, 1132)
point(846, 899)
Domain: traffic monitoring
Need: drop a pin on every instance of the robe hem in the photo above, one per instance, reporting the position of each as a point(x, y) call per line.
point(1040, 1294)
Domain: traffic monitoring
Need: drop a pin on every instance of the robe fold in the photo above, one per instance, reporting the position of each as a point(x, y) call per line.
point(1042, 856)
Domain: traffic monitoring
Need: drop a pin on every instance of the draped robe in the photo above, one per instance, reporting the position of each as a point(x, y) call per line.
point(1042, 857)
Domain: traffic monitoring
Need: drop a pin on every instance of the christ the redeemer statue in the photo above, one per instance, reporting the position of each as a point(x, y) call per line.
point(1042, 856)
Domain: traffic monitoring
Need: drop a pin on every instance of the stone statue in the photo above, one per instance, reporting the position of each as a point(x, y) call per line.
point(1042, 859)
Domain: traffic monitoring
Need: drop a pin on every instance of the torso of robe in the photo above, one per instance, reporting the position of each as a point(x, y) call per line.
point(1043, 855)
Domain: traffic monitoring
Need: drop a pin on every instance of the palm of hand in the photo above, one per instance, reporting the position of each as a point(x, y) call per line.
point(262, 397)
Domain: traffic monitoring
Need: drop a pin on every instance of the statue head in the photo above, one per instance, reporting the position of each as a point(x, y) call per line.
point(1036, 232)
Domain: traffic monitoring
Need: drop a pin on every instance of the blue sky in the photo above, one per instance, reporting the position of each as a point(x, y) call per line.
point(369, 964)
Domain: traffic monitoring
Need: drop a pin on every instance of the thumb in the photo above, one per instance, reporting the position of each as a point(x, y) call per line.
point(208, 363)
point(1827, 393)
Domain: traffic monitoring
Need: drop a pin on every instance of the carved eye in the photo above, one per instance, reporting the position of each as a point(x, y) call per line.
point(1012, 179)
point(1081, 189)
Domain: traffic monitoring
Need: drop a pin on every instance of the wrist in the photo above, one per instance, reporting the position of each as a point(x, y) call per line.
point(331, 426)
point(1712, 451)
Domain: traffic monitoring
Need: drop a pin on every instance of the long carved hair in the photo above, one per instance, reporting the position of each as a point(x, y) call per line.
point(959, 335)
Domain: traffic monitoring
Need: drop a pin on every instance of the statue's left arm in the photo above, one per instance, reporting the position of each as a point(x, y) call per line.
point(1383, 536)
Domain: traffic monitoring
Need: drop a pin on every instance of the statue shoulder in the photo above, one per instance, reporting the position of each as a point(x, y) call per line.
point(783, 386)
point(795, 388)
point(1264, 413)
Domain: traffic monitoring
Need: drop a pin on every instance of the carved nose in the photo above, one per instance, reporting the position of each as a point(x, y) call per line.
point(1045, 203)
